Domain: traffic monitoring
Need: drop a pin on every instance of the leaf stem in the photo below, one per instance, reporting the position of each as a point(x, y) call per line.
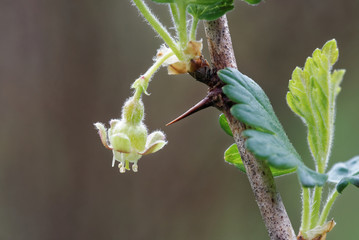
point(317, 198)
point(306, 210)
point(260, 177)
point(175, 17)
point(182, 28)
point(327, 207)
point(194, 28)
point(157, 26)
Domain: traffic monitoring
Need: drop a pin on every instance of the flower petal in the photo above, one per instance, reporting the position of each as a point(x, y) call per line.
point(102, 131)
point(120, 143)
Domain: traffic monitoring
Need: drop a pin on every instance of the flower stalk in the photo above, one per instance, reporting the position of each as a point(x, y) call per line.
point(158, 27)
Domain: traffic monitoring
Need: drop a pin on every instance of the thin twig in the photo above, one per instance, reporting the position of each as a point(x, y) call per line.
point(260, 177)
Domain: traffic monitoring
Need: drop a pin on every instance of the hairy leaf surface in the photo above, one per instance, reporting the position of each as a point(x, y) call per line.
point(312, 94)
point(203, 9)
point(266, 138)
point(212, 11)
point(344, 173)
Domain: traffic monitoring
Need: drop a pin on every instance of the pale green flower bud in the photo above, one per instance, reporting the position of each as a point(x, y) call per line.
point(133, 111)
point(128, 137)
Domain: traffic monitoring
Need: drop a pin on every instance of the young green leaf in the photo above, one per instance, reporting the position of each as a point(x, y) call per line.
point(344, 173)
point(212, 11)
point(266, 139)
point(164, 1)
point(232, 156)
point(253, 2)
point(312, 94)
point(224, 124)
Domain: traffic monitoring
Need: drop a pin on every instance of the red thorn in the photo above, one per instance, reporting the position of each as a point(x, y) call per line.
point(203, 104)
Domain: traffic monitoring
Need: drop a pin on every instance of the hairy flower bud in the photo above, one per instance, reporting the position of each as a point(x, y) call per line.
point(128, 137)
point(133, 111)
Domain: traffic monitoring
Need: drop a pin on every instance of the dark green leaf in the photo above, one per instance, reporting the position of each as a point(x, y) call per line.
point(203, 2)
point(210, 12)
point(232, 156)
point(224, 124)
point(345, 182)
point(187, 2)
point(203, 9)
point(266, 138)
point(343, 173)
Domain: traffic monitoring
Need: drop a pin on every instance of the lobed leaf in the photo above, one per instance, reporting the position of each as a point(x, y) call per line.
point(343, 173)
point(266, 138)
point(312, 94)
point(232, 156)
point(203, 9)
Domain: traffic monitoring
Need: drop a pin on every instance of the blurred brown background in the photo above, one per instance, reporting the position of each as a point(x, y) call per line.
point(66, 64)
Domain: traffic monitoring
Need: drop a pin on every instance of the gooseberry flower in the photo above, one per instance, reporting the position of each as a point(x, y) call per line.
point(128, 137)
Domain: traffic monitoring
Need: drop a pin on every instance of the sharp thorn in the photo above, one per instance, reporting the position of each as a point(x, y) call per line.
point(204, 103)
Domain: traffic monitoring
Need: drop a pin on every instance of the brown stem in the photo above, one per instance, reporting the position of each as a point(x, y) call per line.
point(260, 177)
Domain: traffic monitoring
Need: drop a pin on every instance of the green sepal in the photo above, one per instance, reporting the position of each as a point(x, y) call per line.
point(343, 173)
point(120, 142)
point(232, 156)
point(210, 12)
point(224, 124)
point(266, 138)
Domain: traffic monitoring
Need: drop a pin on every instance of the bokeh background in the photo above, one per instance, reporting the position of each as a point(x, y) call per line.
point(66, 64)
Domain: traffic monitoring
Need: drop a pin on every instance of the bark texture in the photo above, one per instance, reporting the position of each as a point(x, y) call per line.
point(260, 177)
